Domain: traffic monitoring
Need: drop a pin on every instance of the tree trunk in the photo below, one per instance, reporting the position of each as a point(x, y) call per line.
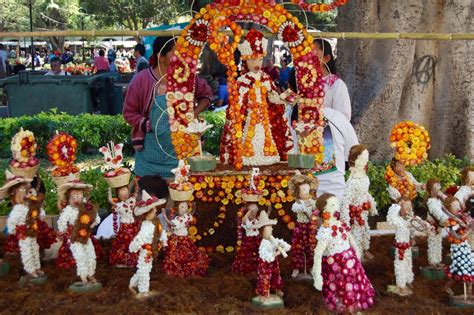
point(429, 82)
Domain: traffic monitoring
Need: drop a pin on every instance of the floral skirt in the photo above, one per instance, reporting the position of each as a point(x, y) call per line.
point(462, 266)
point(183, 258)
point(345, 285)
point(246, 260)
point(45, 238)
point(269, 277)
point(301, 247)
point(119, 253)
point(65, 259)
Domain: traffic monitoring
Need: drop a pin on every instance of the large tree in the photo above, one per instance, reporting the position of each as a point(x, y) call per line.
point(430, 82)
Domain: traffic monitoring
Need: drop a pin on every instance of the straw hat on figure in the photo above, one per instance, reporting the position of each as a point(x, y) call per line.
point(304, 189)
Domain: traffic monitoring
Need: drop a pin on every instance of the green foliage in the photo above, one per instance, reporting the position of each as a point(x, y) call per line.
point(212, 137)
point(91, 131)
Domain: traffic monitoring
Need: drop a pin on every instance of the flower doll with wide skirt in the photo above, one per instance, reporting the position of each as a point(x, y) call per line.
point(337, 269)
point(358, 203)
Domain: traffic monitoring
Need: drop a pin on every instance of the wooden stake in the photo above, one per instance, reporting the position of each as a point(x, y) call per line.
point(465, 292)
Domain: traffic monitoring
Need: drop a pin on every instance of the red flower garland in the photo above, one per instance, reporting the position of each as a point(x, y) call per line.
point(319, 7)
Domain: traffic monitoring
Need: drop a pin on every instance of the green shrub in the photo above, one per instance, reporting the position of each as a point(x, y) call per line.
point(212, 137)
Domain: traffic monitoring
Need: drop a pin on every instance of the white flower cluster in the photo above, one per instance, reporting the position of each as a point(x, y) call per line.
point(125, 210)
point(16, 145)
point(303, 209)
point(141, 278)
point(268, 250)
point(67, 217)
point(84, 255)
point(463, 260)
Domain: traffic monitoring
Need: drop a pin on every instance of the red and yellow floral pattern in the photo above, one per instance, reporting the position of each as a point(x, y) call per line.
point(62, 149)
point(319, 7)
point(403, 184)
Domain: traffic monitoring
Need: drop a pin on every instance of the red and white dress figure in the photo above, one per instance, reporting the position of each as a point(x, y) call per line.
point(438, 220)
point(246, 259)
point(72, 192)
point(182, 257)
point(462, 265)
point(304, 188)
point(143, 245)
point(127, 227)
point(263, 132)
point(23, 222)
point(337, 270)
point(269, 277)
point(358, 203)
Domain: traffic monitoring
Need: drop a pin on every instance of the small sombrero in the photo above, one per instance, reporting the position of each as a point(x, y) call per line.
point(147, 203)
point(72, 183)
point(12, 180)
point(299, 179)
point(263, 220)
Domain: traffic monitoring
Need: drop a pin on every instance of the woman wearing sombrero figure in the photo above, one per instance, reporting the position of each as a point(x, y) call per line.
point(73, 193)
point(22, 222)
point(303, 188)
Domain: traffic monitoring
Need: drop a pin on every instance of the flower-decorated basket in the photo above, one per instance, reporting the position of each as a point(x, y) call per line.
point(61, 180)
point(180, 195)
point(119, 180)
point(26, 172)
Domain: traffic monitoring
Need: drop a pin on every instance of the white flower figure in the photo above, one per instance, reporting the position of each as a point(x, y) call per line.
point(181, 172)
point(198, 128)
point(253, 177)
point(113, 156)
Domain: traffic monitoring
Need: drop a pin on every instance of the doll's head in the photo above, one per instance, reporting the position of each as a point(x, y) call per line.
point(150, 216)
point(267, 232)
point(398, 167)
point(358, 157)
point(122, 193)
point(255, 65)
point(302, 186)
point(453, 205)
point(433, 187)
point(252, 208)
point(328, 203)
point(406, 206)
point(467, 176)
point(75, 197)
point(183, 208)
point(18, 193)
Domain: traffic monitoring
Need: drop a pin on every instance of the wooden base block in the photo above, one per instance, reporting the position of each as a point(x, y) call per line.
point(205, 163)
point(393, 289)
point(4, 269)
point(432, 274)
point(273, 301)
point(29, 280)
point(80, 287)
point(458, 301)
point(300, 161)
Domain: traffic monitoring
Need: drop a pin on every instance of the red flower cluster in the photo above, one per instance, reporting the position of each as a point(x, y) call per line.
point(290, 34)
point(355, 212)
point(319, 7)
point(252, 37)
point(402, 247)
point(343, 229)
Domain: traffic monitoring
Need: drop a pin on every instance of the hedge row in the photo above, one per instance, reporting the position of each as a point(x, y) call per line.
point(91, 131)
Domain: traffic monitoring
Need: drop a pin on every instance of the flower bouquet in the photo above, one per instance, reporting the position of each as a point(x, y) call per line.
point(24, 162)
point(117, 174)
point(62, 149)
point(181, 189)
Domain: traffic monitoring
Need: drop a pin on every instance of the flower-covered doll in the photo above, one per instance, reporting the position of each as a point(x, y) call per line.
point(438, 220)
point(182, 257)
point(467, 189)
point(337, 270)
point(263, 131)
point(72, 193)
point(268, 270)
point(303, 188)
point(246, 259)
point(45, 235)
point(401, 182)
point(462, 265)
point(22, 222)
point(399, 217)
point(123, 209)
point(358, 203)
point(143, 244)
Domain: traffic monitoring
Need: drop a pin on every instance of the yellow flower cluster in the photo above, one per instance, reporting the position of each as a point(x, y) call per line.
point(411, 142)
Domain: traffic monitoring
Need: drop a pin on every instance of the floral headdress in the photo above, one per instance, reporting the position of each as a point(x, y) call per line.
point(254, 46)
point(113, 156)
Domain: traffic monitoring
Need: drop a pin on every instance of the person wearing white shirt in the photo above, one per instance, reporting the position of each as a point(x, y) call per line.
point(3, 62)
point(56, 67)
point(335, 90)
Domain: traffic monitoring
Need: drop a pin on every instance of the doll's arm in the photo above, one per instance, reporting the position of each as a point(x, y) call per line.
point(394, 193)
point(137, 242)
point(373, 205)
point(12, 221)
point(62, 223)
point(163, 211)
point(109, 197)
point(317, 265)
point(246, 216)
point(96, 221)
point(354, 245)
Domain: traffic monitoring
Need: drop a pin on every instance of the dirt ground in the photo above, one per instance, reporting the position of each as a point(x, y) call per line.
point(221, 292)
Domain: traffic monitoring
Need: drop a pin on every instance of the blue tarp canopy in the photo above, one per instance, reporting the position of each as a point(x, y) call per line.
point(148, 40)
